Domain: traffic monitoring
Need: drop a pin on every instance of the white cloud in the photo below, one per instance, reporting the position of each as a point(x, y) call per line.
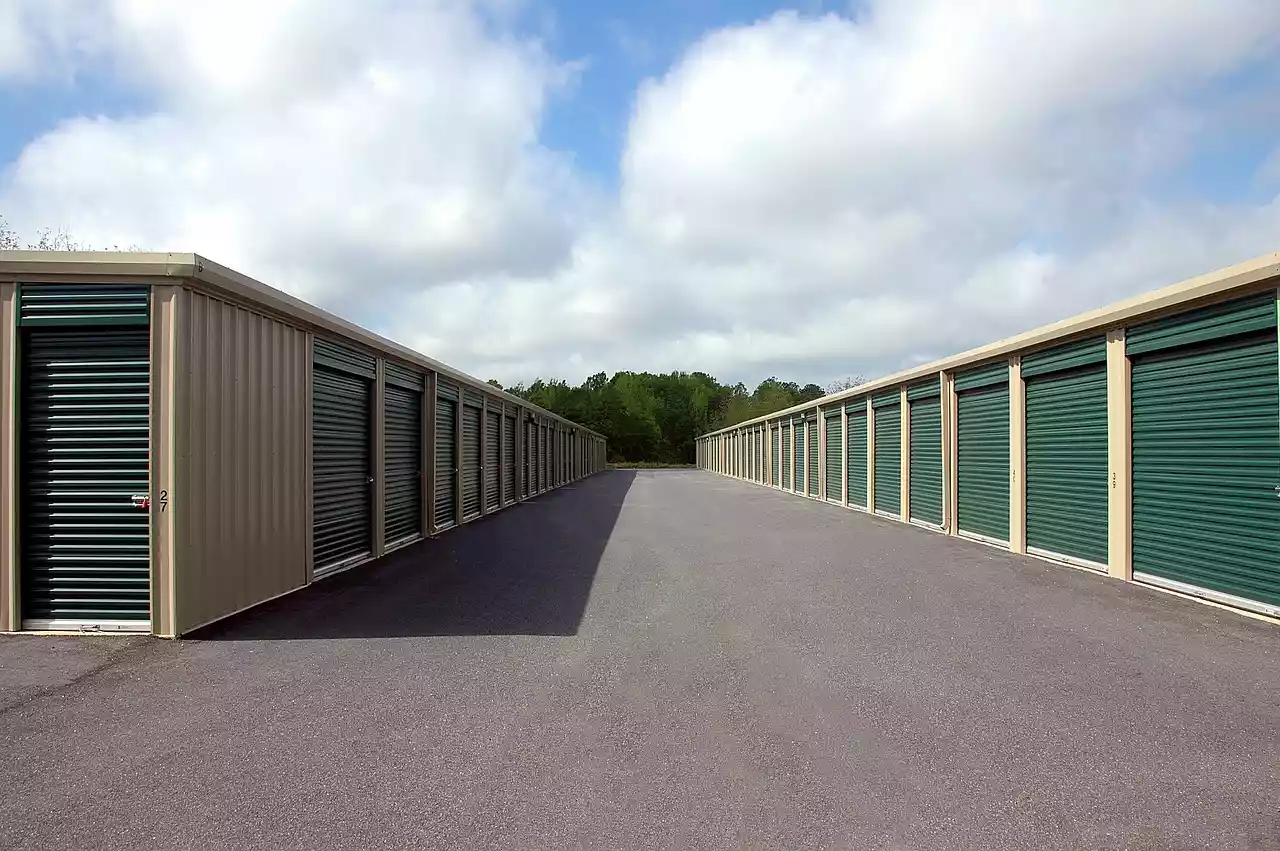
point(811, 196)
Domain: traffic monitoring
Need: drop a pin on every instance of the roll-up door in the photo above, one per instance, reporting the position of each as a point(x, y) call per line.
point(84, 544)
point(1206, 454)
point(493, 462)
point(982, 468)
point(446, 456)
point(775, 457)
point(472, 462)
point(760, 455)
point(341, 456)
point(888, 414)
point(542, 459)
point(924, 498)
point(1067, 468)
point(786, 456)
point(402, 420)
point(814, 458)
point(856, 454)
point(526, 465)
point(508, 459)
point(835, 456)
point(801, 457)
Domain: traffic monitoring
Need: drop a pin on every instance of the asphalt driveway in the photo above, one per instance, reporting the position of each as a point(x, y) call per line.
point(661, 660)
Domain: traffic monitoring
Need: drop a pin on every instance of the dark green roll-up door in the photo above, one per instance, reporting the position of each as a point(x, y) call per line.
point(403, 423)
point(446, 461)
point(835, 454)
point(493, 461)
point(85, 544)
point(798, 484)
point(341, 455)
point(1206, 452)
point(889, 456)
point(786, 456)
point(775, 457)
point(811, 428)
point(1067, 480)
point(508, 459)
point(469, 469)
point(982, 468)
point(924, 497)
point(856, 455)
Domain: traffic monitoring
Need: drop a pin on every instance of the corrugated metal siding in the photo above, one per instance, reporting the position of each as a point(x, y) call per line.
point(801, 456)
point(983, 376)
point(835, 450)
point(508, 459)
point(342, 469)
point(345, 359)
point(856, 456)
point(403, 377)
point(1071, 356)
point(786, 456)
point(445, 514)
point(526, 467)
point(241, 450)
point(493, 461)
point(925, 484)
point(403, 477)
point(982, 495)
point(83, 304)
point(814, 459)
point(471, 462)
point(889, 458)
point(1067, 478)
point(1232, 319)
point(775, 459)
point(1206, 466)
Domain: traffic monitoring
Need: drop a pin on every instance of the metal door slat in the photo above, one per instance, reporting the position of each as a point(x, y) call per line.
point(889, 458)
point(342, 509)
point(982, 468)
point(403, 486)
point(856, 456)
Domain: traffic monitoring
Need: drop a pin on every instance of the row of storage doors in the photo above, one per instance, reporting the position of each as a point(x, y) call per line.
point(1205, 453)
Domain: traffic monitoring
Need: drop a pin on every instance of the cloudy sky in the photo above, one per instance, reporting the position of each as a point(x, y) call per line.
point(558, 187)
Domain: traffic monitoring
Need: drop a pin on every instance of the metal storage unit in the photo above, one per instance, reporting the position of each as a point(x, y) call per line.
point(786, 456)
point(811, 427)
point(446, 485)
point(924, 491)
point(1206, 453)
point(888, 485)
point(775, 454)
point(801, 456)
point(402, 420)
point(543, 462)
point(493, 461)
point(835, 456)
point(982, 491)
point(508, 459)
point(84, 403)
point(1066, 452)
point(530, 453)
point(341, 456)
point(856, 453)
point(471, 468)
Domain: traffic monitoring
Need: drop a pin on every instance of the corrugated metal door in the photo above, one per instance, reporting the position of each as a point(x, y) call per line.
point(889, 455)
point(760, 456)
point(982, 468)
point(835, 451)
point(542, 458)
point(470, 468)
point(508, 459)
point(85, 544)
point(925, 484)
point(856, 455)
point(527, 464)
point(342, 469)
point(775, 458)
point(814, 458)
point(1067, 478)
point(801, 457)
point(403, 477)
point(786, 456)
point(1206, 454)
point(446, 461)
point(493, 461)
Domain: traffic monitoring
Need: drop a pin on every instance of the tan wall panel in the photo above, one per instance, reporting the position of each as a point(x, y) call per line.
point(167, 308)
point(1120, 458)
point(241, 497)
point(1017, 458)
point(10, 617)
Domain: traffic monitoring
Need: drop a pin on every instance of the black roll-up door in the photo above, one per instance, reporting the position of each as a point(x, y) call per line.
point(446, 461)
point(471, 461)
point(924, 498)
point(888, 437)
point(493, 462)
point(84, 548)
point(508, 459)
point(544, 460)
point(402, 420)
point(342, 474)
point(856, 455)
point(527, 462)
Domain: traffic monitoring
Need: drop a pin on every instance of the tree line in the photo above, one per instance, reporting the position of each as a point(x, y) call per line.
point(658, 417)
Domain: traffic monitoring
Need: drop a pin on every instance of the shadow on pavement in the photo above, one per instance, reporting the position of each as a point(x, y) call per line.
point(527, 570)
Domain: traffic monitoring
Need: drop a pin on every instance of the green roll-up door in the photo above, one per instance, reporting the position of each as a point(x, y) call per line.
point(1067, 468)
point(493, 461)
point(403, 423)
point(775, 456)
point(835, 452)
point(84, 546)
point(446, 460)
point(982, 468)
point(470, 468)
point(786, 456)
point(342, 469)
point(856, 456)
point(798, 484)
point(1206, 459)
point(889, 458)
point(508, 459)
point(925, 484)
point(811, 468)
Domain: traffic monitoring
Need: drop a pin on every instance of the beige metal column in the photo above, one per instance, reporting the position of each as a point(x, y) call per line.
point(429, 454)
point(1017, 457)
point(948, 415)
point(10, 610)
point(165, 501)
point(379, 458)
point(904, 457)
point(871, 457)
point(1119, 458)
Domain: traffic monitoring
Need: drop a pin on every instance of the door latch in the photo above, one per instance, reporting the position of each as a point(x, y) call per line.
point(142, 500)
